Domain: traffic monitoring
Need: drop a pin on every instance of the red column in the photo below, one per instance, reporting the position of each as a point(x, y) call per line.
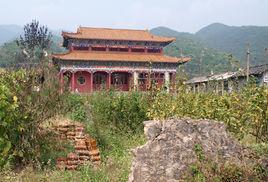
point(147, 82)
point(71, 48)
point(91, 81)
point(109, 81)
point(72, 82)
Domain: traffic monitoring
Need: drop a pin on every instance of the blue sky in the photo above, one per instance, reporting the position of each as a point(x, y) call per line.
point(182, 15)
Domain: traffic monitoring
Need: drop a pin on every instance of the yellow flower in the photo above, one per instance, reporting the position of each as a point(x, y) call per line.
point(15, 99)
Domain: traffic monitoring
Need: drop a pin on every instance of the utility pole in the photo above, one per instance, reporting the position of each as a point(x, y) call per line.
point(181, 53)
point(200, 63)
point(248, 54)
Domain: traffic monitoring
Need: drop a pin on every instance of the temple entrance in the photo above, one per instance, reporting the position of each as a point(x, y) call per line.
point(143, 81)
point(150, 81)
point(120, 81)
point(67, 80)
point(157, 80)
point(100, 80)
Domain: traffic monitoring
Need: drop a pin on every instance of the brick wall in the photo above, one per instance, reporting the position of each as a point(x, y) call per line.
point(85, 147)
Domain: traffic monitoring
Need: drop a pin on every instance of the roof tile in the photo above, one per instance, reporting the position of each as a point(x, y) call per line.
point(116, 34)
point(108, 56)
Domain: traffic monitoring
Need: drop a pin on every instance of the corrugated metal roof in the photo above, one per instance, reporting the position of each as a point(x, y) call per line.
point(222, 76)
point(254, 70)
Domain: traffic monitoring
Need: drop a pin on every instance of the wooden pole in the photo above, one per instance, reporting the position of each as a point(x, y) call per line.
point(201, 62)
point(248, 53)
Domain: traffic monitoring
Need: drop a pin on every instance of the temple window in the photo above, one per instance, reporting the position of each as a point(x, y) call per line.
point(123, 49)
point(115, 49)
point(142, 78)
point(99, 78)
point(119, 78)
point(154, 50)
point(81, 80)
point(137, 50)
point(98, 48)
point(80, 48)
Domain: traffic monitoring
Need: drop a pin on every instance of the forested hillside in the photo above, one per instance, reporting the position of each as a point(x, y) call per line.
point(233, 39)
point(204, 60)
point(10, 52)
point(221, 47)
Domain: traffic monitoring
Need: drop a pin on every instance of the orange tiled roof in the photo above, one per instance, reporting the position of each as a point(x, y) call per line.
point(115, 34)
point(111, 56)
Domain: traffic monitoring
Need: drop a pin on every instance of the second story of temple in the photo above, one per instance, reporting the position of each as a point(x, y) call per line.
point(115, 40)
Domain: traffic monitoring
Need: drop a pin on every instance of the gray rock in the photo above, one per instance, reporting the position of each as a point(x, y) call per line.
point(170, 151)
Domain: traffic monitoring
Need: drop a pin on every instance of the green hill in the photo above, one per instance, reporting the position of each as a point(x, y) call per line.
point(10, 53)
point(9, 32)
point(234, 40)
point(212, 60)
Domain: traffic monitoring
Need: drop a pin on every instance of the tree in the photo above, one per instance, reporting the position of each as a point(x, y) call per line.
point(35, 42)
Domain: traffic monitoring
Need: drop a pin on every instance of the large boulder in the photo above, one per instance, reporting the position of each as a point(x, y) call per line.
point(171, 148)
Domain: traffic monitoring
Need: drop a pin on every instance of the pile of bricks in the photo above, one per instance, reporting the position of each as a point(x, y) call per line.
point(86, 150)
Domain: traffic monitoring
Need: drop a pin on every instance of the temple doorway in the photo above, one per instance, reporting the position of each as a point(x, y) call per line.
point(120, 81)
point(100, 80)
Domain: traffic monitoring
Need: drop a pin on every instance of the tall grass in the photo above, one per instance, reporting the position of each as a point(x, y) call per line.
point(116, 121)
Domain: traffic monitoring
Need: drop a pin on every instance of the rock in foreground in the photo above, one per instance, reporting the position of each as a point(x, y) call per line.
point(171, 148)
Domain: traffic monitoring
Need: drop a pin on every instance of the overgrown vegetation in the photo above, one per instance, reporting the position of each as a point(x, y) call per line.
point(206, 170)
point(244, 112)
point(25, 105)
point(116, 121)
point(30, 97)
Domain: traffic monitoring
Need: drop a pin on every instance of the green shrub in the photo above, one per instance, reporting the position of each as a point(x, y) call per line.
point(204, 169)
point(244, 112)
point(23, 111)
point(121, 111)
point(75, 107)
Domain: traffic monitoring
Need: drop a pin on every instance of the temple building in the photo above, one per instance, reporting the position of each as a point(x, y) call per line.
point(102, 58)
